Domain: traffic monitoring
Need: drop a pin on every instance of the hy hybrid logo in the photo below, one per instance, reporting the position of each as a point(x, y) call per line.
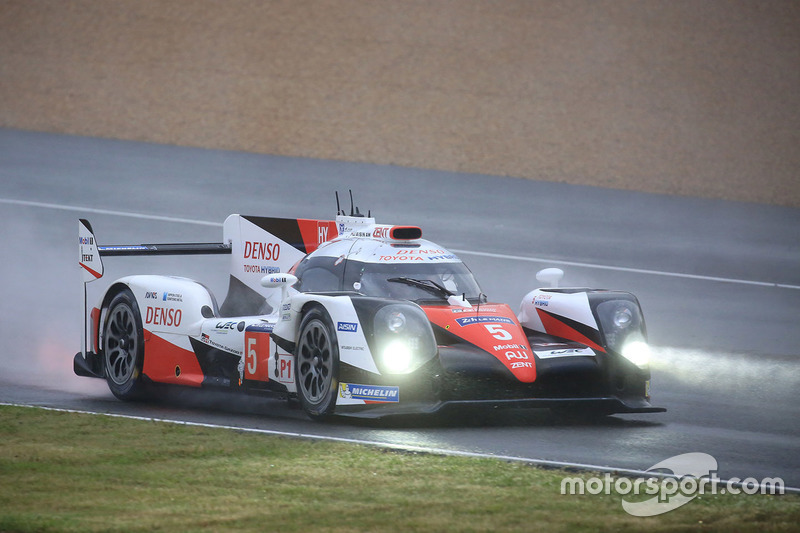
point(690, 475)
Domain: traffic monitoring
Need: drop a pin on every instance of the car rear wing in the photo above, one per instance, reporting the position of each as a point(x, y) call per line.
point(166, 249)
point(90, 254)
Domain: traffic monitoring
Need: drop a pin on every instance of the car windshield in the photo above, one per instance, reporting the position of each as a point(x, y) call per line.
point(427, 281)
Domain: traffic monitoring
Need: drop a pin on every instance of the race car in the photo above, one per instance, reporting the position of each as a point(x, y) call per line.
point(351, 317)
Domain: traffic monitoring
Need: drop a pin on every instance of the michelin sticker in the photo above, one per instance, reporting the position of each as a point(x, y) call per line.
point(370, 393)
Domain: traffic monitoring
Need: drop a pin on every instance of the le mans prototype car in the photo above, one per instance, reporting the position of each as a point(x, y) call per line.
point(357, 318)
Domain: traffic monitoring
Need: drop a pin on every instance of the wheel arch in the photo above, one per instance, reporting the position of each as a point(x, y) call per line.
point(116, 288)
point(342, 313)
point(305, 309)
point(289, 329)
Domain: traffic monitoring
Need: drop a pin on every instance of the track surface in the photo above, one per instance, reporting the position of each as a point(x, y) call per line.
point(727, 351)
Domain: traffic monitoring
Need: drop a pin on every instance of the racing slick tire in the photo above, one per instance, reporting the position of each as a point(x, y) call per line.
point(317, 364)
point(123, 347)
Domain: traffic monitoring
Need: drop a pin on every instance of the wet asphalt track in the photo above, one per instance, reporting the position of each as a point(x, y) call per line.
point(719, 283)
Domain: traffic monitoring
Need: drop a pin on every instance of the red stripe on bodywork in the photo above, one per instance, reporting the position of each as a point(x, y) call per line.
point(95, 317)
point(555, 327)
point(92, 272)
point(315, 232)
point(162, 358)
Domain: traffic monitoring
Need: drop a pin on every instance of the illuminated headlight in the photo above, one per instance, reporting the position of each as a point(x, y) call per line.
point(397, 357)
point(396, 321)
point(637, 352)
point(621, 322)
point(402, 338)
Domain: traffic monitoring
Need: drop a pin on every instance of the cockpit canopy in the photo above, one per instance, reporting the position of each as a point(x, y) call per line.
point(419, 271)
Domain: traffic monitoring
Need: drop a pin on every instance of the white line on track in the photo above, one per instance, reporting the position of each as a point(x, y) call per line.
point(626, 269)
point(465, 252)
point(386, 445)
point(108, 212)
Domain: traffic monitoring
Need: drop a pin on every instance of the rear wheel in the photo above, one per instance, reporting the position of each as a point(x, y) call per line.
point(317, 367)
point(123, 347)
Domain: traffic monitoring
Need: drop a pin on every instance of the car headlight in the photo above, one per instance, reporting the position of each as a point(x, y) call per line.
point(623, 317)
point(637, 352)
point(397, 357)
point(403, 339)
point(623, 328)
point(396, 321)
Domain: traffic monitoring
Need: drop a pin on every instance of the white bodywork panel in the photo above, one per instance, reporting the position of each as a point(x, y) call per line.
point(353, 348)
point(574, 306)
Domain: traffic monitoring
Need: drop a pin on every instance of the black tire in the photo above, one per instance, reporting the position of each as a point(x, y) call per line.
point(123, 347)
point(317, 364)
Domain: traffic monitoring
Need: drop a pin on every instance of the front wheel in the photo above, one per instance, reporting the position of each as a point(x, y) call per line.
point(123, 347)
point(317, 367)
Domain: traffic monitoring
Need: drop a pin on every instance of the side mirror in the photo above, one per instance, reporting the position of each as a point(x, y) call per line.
point(273, 281)
point(284, 281)
point(551, 276)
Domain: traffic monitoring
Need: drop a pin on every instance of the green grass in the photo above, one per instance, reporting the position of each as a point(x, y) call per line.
point(73, 472)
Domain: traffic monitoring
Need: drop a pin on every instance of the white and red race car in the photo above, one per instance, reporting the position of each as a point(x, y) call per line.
point(354, 317)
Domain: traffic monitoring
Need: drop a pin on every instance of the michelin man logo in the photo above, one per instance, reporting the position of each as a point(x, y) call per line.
point(344, 390)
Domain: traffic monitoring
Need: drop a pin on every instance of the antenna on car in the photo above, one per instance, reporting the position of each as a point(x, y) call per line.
point(354, 212)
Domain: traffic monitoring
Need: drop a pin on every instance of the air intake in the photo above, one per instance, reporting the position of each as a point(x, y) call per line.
point(405, 233)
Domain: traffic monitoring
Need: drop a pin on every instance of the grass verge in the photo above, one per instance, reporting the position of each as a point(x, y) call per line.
point(73, 472)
